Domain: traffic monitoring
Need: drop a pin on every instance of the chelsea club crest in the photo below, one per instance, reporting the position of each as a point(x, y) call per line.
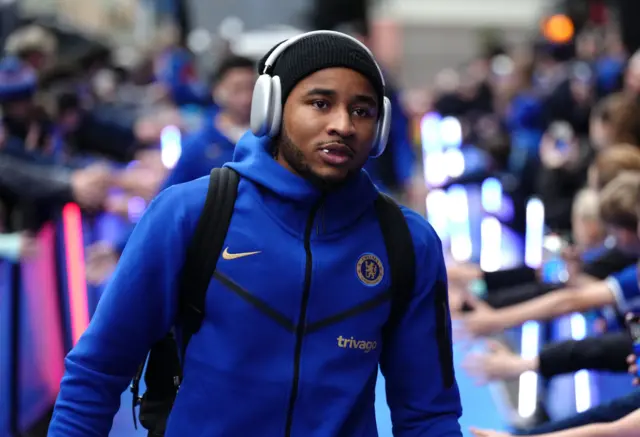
point(369, 269)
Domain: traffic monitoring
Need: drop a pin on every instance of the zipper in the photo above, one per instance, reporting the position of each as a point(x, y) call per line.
point(300, 328)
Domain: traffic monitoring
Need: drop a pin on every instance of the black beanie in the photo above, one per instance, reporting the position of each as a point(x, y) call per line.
point(317, 52)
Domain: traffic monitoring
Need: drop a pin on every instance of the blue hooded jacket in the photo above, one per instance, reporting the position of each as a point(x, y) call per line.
point(272, 359)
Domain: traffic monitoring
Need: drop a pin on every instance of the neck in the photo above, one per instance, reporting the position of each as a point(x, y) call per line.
point(230, 126)
point(227, 119)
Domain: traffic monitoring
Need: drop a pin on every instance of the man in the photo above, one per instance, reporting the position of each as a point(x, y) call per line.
point(303, 223)
point(213, 145)
point(209, 147)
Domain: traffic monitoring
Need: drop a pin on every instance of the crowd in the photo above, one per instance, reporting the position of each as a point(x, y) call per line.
point(560, 122)
point(572, 117)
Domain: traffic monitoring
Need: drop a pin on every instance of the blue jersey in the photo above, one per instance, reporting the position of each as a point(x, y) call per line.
point(624, 286)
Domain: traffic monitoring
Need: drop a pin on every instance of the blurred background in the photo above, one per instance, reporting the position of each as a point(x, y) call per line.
point(501, 107)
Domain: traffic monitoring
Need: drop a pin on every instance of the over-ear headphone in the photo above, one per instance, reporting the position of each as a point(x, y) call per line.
point(266, 106)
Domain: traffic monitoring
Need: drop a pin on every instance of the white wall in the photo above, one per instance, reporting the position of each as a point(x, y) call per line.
point(503, 13)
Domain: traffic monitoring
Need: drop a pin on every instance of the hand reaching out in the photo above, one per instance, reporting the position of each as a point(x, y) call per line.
point(498, 362)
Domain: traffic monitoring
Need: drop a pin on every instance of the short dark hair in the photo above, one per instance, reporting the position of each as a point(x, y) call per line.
point(230, 63)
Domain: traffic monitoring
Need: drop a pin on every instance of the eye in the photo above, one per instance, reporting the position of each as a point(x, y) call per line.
point(320, 104)
point(363, 112)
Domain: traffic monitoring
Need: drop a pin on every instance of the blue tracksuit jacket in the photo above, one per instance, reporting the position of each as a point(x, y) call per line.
point(289, 346)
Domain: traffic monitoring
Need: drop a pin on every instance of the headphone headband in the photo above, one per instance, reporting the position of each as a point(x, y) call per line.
point(272, 58)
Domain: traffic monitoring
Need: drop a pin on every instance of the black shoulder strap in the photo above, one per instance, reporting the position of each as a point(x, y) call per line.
point(204, 249)
point(401, 254)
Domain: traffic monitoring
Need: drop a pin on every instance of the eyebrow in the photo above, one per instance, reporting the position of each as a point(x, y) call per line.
point(361, 98)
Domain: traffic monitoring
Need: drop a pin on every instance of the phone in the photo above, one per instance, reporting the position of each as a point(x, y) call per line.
point(554, 268)
point(633, 326)
point(563, 134)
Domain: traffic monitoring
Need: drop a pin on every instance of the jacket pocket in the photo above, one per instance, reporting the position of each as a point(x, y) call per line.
point(443, 333)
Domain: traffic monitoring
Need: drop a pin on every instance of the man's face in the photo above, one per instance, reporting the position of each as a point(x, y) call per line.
point(234, 92)
point(329, 124)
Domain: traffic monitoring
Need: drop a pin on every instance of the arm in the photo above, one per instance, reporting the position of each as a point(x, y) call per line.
point(628, 426)
point(136, 310)
point(557, 303)
point(418, 361)
point(608, 352)
point(35, 182)
point(518, 294)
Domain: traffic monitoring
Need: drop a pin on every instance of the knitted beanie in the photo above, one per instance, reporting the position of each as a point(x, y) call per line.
point(317, 52)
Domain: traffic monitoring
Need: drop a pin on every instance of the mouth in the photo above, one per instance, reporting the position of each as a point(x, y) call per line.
point(336, 154)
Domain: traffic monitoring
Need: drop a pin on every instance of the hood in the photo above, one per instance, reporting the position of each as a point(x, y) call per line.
point(292, 194)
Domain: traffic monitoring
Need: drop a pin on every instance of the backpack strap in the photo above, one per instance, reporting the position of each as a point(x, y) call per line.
point(204, 250)
point(401, 254)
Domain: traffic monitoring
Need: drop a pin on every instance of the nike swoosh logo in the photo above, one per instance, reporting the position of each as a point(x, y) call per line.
point(227, 255)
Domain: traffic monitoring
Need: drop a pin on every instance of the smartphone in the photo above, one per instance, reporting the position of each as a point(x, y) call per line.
point(563, 134)
point(554, 268)
point(633, 326)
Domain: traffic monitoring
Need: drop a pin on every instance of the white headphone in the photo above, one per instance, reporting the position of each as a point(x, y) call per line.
point(266, 106)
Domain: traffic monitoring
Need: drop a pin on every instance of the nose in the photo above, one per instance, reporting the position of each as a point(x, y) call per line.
point(340, 123)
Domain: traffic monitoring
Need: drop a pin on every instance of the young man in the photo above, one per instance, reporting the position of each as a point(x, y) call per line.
point(618, 202)
point(304, 246)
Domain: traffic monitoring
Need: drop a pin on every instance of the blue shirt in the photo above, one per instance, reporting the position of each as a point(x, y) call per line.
point(202, 151)
point(240, 367)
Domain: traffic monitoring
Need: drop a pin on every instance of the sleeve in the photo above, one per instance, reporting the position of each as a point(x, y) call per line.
point(611, 261)
point(514, 295)
point(624, 286)
point(417, 363)
point(136, 310)
point(607, 352)
point(35, 182)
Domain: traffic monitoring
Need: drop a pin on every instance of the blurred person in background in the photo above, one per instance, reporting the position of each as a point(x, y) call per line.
point(612, 161)
point(603, 132)
point(588, 237)
point(231, 89)
point(34, 45)
point(618, 210)
point(27, 127)
point(565, 159)
point(210, 147)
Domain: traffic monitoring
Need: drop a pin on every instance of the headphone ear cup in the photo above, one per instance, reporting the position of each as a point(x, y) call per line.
point(382, 134)
point(276, 106)
point(260, 106)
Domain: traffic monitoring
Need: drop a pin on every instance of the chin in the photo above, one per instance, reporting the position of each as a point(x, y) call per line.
point(329, 178)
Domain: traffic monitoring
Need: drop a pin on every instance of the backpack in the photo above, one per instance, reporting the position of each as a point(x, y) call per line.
point(163, 366)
